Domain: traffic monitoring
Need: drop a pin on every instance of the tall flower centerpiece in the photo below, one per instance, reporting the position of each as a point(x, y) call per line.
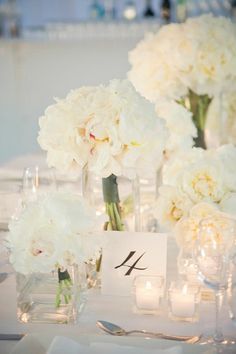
point(190, 62)
point(111, 130)
point(48, 244)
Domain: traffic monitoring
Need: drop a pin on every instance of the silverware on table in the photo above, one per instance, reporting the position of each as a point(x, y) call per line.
point(11, 336)
point(113, 329)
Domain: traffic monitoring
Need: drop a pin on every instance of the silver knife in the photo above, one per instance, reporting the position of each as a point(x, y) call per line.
point(8, 336)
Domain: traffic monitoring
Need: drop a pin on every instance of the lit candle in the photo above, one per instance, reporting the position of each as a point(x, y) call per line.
point(147, 296)
point(182, 302)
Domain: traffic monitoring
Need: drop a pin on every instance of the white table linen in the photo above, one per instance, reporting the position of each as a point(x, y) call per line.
point(114, 309)
point(61, 345)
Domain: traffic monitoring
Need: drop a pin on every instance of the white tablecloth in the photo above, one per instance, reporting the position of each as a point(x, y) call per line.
point(114, 309)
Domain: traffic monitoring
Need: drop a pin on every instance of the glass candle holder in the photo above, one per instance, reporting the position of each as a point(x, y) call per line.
point(148, 290)
point(183, 301)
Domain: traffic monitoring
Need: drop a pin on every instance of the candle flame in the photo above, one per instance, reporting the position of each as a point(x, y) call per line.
point(185, 289)
point(148, 285)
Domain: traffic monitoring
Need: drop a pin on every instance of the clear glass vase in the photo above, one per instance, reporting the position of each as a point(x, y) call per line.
point(186, 266)
point(187, 271)
point(113, 195)
point(118, 199)
point(41, 298)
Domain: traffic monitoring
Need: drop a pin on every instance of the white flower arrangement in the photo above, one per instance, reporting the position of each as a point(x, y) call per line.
point(195, 185)
point(52, 233)
point(198, 55)
point(110, 129)
point(190, 63)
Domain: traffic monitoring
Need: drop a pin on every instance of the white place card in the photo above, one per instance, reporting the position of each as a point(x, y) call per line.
point(128, 254)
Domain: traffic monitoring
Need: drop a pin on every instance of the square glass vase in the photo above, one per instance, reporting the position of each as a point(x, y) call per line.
point(41, 298)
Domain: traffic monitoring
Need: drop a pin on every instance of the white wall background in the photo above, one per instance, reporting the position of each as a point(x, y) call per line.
point(33, 72)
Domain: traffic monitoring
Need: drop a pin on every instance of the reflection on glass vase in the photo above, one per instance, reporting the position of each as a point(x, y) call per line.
point(187, 271)
point(117, 198)
point(55, 297)
point(186, 266)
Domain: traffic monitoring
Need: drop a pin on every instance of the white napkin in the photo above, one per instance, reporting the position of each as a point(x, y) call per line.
point(62, 345)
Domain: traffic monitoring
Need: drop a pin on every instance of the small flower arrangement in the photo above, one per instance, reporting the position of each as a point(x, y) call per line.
point(190, 62)
point(110, 130)
point(52, 234)
point(199, 184)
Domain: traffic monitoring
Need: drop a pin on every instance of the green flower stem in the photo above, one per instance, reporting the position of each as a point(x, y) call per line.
point(98, 263)
point(64, 287)
point(112, 202)
point(199, 105)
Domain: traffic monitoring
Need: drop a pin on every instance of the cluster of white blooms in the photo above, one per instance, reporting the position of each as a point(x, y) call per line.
point(221, 122)
point(196, 184)
point(180, 125)
point(110, 129)
point(187, 229)
point(52, 232)
point(198, 55)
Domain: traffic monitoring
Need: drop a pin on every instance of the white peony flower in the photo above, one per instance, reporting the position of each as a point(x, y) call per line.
point(203, 210)
point(50, 233)
point(187, 228)
point(204, 180)
point(179, 122)
point(228, 204)
point(173, 169)
point(171, 206)
point(198, 55)
point(221, 122)
point(111, 129)
point(185, 232)
point(227, 157)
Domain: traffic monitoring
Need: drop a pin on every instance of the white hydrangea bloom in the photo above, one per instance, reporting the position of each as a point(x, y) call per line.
point(52, 232)
point(111, 129)
point(197, 55)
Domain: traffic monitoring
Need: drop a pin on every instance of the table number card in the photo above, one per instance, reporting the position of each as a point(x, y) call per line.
point(128, 254)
